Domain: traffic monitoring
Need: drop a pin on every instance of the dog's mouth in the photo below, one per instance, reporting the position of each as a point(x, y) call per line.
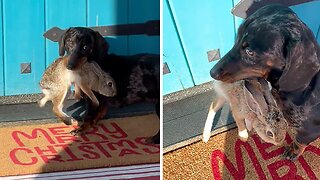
point(75, 63)
point(231, 78)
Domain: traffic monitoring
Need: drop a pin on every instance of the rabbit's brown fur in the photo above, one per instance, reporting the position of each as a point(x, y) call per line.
point(57, 80)
point(252, 106)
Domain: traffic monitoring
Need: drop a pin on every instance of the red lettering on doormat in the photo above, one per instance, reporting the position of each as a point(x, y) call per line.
point(270, 155)
point(58, 146)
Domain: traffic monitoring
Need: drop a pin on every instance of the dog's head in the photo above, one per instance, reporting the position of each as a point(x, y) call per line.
point(272, 40)
point(80, 42)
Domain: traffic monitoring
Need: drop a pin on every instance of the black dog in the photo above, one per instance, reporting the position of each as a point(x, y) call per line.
point(137, 77)
point(275, 44)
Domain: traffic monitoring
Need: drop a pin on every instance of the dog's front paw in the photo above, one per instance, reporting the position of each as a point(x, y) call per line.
point(76, 132)
point(80, 130)
point(153, 140)
point(289, 153)
point(66, 120)
point(293, 151)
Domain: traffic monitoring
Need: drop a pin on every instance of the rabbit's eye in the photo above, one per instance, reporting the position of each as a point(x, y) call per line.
point(110, 84)
point(269, 133)
point(85, 48)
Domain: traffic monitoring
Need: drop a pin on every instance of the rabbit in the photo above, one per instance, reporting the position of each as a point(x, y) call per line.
point(57, 80)
point(253, 107)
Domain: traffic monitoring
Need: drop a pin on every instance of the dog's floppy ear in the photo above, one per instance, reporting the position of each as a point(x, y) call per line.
point(301, 61)
point(254, 97)
point(62, 48)
point(101, 47)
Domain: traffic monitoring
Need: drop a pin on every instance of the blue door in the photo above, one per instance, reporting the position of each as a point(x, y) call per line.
point(195, 34)
point(111, 12)
point(203, 26)
point(194, 29)
point(174, 56)
point(309, 13)
point(26, 53)
point(1, 58)
point(24, 45)
point(70, 13)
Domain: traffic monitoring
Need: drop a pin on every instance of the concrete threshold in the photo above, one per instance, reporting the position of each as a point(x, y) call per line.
point(185, 113)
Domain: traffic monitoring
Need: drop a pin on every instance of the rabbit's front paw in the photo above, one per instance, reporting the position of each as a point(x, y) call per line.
point(243, 135)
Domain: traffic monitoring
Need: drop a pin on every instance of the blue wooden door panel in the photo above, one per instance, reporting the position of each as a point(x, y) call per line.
point(318, 35)
point(141, 11)
point(23, 24)
point(111, 12)
point(179, 78)
point(63, 14)
point(203, 26)
point(309, 13)
point(1, 57)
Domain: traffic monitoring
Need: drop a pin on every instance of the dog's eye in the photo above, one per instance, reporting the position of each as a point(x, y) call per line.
point(85, 48)
point(110, 84)
point(269, 133)
point(249, 51)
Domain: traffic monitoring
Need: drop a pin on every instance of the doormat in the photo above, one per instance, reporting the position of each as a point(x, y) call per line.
point(48, 148)
point(227, 157)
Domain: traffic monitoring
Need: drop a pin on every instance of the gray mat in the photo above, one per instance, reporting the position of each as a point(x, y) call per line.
point(185, 119)
point(31, 111)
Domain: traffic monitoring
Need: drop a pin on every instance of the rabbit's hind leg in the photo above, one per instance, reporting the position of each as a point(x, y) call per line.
point(214, 107)
point(57, 102)
point(46, 97)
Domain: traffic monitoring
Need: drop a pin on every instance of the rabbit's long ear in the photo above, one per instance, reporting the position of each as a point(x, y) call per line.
point(266, 90)
point(254, 97)
point(96, 69)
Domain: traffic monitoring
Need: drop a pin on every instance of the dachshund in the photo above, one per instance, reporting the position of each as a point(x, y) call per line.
point(275, 44)
point(137, 77)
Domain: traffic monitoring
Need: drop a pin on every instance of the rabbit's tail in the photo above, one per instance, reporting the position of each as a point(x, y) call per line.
point(214, 107)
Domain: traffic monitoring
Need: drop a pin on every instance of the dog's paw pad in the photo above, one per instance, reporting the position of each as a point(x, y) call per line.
point(76, 132)
point(289, 153)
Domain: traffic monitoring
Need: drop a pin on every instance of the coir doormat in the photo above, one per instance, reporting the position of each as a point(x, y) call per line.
point(227, 157)
point(50, 147)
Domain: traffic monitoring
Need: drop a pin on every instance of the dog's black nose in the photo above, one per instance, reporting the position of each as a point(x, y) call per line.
point(70, 67)
point(215, 73)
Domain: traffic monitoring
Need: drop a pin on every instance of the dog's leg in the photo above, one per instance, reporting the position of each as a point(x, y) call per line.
point(90, 94)
point(293, 151)
point(214, 107)
point(92, 117)
point(77, 92)
point(156, 138)
point(58, 105)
